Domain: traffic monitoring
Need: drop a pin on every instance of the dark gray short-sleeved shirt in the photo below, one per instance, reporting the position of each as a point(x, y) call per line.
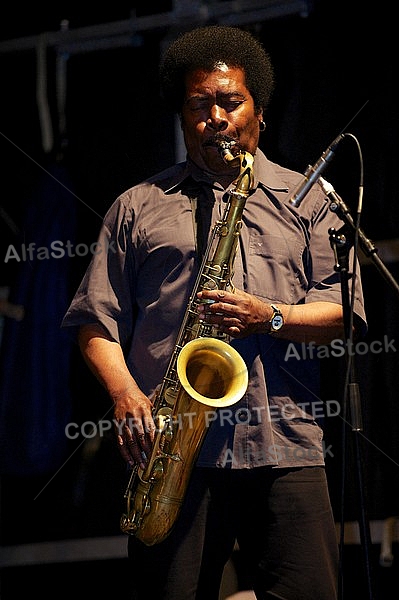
point(140, 279)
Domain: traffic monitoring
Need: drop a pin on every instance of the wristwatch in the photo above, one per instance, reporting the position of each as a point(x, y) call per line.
point(277, 320)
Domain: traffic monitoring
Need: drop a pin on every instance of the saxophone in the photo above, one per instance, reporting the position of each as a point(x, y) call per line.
point(205, 373)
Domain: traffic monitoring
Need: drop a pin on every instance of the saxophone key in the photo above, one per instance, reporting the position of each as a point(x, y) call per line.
point(170, 395)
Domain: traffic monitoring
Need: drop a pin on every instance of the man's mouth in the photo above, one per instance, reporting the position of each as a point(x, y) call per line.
point(219, 140)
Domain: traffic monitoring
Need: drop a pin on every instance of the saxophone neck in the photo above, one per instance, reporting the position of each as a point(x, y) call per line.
point(245, 180)
point(234, 156)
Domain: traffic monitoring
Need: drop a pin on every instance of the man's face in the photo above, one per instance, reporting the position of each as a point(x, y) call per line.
point(218, 104)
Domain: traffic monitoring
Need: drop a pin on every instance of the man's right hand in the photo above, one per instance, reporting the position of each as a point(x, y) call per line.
point(135, 428)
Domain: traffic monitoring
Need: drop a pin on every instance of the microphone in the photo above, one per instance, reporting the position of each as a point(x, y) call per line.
point(313, 173)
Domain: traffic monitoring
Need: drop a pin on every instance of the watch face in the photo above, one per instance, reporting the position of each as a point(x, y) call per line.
point(277, 322)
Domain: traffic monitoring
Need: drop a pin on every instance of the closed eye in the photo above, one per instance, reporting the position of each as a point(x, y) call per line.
point(205, 103)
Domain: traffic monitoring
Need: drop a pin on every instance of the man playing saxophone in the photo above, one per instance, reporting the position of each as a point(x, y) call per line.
point(259, 477)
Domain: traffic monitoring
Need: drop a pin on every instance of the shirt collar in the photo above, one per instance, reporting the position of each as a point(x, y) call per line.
point(265, 175)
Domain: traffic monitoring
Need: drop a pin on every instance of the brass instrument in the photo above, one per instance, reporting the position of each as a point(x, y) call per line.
point(205, 373)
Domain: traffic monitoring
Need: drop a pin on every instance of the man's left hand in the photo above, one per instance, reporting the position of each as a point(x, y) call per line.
point(237, 313)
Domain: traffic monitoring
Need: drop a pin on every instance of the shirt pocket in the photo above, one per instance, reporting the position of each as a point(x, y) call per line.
point(275, 267)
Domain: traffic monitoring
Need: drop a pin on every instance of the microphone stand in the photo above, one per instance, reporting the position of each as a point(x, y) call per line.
point(341, 241)
point(339, 207)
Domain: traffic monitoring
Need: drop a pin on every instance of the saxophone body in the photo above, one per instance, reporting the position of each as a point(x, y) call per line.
point(204, 373)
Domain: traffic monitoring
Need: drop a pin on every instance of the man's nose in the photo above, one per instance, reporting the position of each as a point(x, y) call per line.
point(217, 118)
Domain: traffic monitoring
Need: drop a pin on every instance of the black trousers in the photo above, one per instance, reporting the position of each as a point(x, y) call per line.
point(281, 519)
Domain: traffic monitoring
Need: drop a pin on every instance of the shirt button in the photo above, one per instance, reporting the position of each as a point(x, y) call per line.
point(243, 415)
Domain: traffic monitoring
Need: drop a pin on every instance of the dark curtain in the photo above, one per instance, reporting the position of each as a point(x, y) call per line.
point(34, 369)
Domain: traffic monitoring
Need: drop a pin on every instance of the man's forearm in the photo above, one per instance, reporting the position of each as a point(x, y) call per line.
point(105, 359)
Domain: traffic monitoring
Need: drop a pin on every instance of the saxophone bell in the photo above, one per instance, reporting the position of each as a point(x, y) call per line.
point(212, 372)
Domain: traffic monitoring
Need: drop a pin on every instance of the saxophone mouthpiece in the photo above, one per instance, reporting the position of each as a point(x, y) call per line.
point(229, 150)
